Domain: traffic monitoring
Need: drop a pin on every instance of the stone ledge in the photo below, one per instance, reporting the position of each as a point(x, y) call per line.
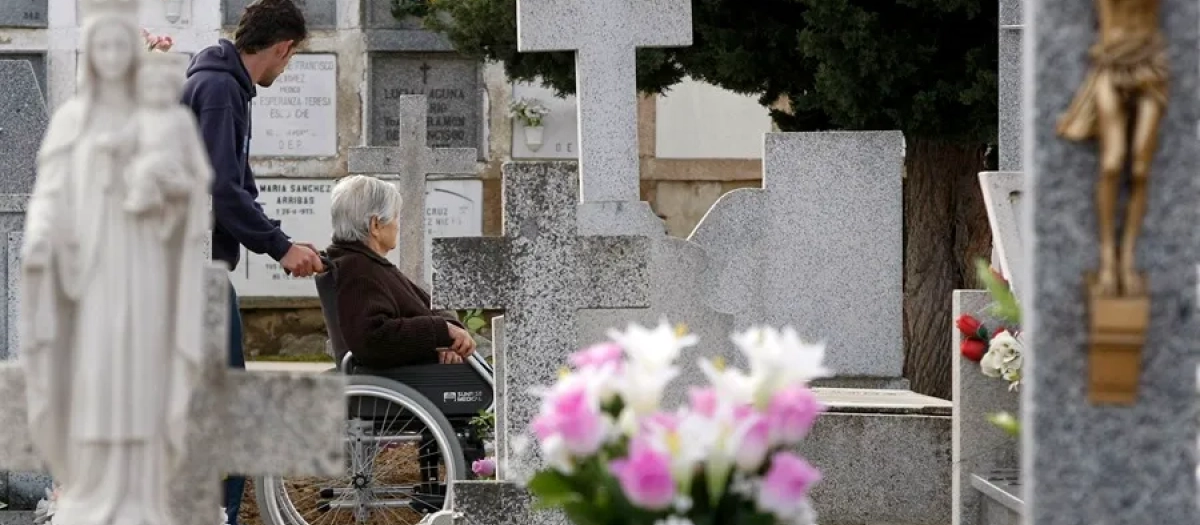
point(1001, 487)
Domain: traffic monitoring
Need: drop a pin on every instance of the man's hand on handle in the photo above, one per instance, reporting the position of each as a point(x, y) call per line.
point(302, 260)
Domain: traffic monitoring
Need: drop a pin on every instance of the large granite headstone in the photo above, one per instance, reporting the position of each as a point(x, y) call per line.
point(24, 13)
point(242, 422)
point(451, 84)
point(22, 123)
point(541, 272)
point(1086, 464)
point(818, 248)
point(318, 14)
point(412, 160)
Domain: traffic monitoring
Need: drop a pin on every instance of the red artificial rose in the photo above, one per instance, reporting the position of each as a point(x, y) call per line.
point(968, 325)
point(973, 349)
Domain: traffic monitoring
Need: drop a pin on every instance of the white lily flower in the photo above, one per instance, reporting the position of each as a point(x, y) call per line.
point(655, 348)
point(779, 359)
point(730, 383)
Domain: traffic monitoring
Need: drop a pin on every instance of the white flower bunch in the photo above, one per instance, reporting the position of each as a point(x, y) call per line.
point(1004, 359)
point(529, 111)
point(730, 448)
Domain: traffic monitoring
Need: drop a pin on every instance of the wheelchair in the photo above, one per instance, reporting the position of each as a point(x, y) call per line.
point(409, 434)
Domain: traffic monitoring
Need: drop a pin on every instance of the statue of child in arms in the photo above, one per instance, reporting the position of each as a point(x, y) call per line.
point(1121, 103)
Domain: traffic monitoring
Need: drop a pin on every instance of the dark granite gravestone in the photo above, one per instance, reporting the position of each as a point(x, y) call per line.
point(23, 13)
point(1082, 463)
point(318, 14)
point(22, 124)
point(452, 85)
point(37, 60)
point(377, 14)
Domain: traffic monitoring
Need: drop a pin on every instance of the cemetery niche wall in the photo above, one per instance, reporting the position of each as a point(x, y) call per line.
point(24, 13)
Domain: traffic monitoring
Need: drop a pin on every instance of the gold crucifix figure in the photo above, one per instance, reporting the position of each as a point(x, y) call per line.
point(1120, 104)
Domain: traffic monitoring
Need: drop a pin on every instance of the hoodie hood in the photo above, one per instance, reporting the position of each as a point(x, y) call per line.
point(223, 57)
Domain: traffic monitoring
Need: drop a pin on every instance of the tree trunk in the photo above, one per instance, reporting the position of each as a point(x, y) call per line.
point(945, 232)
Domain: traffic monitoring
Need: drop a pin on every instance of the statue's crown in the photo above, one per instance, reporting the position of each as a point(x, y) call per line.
point(105, 7)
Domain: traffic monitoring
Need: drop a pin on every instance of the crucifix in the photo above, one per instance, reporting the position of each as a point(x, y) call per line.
point(605, 35)
point(425, 73)
point(251, 423)
point(541, 272)
point(412, 160)
point(1120, 104)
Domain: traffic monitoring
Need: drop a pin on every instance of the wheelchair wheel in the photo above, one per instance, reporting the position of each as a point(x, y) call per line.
point(401, 456)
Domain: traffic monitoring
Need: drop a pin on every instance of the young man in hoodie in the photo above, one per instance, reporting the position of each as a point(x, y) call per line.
point(220, 85)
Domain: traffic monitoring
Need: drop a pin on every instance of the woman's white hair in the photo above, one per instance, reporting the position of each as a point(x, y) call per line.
point(356, 200)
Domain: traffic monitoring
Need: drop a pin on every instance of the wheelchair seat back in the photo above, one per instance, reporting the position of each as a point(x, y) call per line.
point(327, 293)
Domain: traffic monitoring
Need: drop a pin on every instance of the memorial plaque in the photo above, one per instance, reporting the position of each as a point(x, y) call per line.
point(297, 115)
point(318, 14)
point(37, 60)
point(453, 208)
point(560, 129)
point(451, 84)
point(302, 205)
point(23, 13)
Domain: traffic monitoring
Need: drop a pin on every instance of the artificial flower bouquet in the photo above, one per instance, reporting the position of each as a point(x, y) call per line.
point(162, 43)
point(999, 350)
point(529, 111)
point(614, 455)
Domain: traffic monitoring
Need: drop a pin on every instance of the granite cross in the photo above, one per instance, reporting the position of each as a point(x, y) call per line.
point(412, 160)
point(1084, 463)
point(251, 423)
point(540, 272)
point(605, 35)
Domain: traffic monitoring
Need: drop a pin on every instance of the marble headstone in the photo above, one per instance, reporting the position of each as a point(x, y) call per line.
point(23, 121)
point(1086, 464)
point(412, 160)
point(541, 272)
point(1002, 192)
point(818, 248)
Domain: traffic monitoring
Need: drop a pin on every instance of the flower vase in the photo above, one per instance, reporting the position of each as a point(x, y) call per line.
point(533, 137)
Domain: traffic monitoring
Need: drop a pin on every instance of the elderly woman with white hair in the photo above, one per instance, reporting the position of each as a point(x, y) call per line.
point(385, 319)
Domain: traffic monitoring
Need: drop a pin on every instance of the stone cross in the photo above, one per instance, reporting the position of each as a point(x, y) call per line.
point(605, 35)
point(1094, 464)
point(818, 248)
point(540, 272)
point(412, 160)
point(23, 121)
point(251, 423)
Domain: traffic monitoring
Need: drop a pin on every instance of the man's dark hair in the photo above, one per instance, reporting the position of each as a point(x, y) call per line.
point(269, 22)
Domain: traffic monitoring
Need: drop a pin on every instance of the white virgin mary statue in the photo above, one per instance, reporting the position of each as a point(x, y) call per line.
point(112, 299)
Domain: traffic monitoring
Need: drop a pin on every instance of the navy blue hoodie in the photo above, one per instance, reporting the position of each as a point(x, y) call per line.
point(219, 91)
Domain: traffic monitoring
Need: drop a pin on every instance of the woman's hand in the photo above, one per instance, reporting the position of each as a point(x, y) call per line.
point(449, 358)
point(464, 344)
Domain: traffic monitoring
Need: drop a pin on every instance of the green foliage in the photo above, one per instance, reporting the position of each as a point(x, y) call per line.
point(474, 320)
point(927, 67)
point(1007, 422)
point(1005, 306)
point(485, 424)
